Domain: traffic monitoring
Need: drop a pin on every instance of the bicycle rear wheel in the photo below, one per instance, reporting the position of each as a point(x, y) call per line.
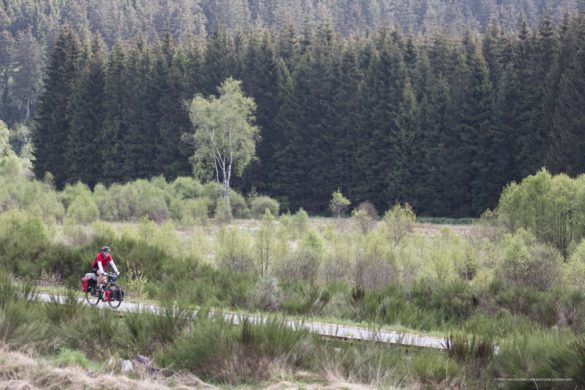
point(92, 297)
point(115, 301)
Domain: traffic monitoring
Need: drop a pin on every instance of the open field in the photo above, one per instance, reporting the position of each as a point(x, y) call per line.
point(513, 279)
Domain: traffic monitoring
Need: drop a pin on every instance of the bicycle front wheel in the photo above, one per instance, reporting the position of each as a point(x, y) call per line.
point(115, 296)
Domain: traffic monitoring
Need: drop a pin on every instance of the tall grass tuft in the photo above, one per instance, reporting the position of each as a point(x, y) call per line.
point(68, 309)
point(21, 327)
point(149, 332)
point(557, 355)
point(475, 350)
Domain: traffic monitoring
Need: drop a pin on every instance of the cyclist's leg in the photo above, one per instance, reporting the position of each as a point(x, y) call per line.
point(102, 279)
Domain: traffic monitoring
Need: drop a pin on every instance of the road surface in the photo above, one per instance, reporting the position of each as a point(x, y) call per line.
point(347, 332)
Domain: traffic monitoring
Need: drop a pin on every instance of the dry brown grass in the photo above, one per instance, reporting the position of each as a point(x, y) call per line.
point(20, 371)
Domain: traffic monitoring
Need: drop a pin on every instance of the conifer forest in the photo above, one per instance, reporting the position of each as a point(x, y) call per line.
point(438, 106)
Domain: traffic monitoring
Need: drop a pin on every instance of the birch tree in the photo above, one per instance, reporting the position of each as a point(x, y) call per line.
point(225, 136)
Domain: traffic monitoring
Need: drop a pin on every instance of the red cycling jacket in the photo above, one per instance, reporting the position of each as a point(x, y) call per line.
point(104, 260)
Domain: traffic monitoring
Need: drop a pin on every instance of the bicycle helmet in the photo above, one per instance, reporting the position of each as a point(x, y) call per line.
point(106, 249)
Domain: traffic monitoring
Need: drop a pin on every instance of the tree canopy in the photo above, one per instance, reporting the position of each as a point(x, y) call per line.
point(225, 137)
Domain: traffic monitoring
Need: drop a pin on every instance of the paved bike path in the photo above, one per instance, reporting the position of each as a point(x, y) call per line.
point(320, 328)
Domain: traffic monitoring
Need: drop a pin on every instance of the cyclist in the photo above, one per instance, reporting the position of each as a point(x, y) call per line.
point(98, 266)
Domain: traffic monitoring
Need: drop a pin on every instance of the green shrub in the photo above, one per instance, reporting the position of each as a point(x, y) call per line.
point(299, 223)
point(205, 349)
point(98, 333)
point(83, 210)
point(338, 305)
point(20, 326)
point(143, 253)
point(35, 197)
point(527, 263)
point(234, 251)
point(299, 297)
point(435, 371)
point(149, 332)
point(259, 205)
point(541, 354)
point(75, 234)
point(103, 232)
point(573, 271)
point(70, 308)
point(22, 238)
point(151, 200)
point(238, 205)
point(546, 205)
point(474, 349)
point(167, 239)
point(67, 263)
point(453, 300)
point(118, 203)
point(74, 191)
point(186, 188)
point(190, 211)
point(338, 203)
point(213, 191)
point(223, 212)
point(11, 292)
point(68, 357)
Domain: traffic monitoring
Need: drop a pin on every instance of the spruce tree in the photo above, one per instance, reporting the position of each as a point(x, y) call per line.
point(567, 152)
point(283, 175)
point(142, 135)
point(380, 99)
point(52, 125)
point(405, 149)
point(261, 83)
point(117, 89)
point(83, 153)
point(172, 154)
point(348, 77)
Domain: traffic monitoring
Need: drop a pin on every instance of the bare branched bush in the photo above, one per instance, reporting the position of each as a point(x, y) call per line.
point(302, 264)
point(369, 208)
point(362, 220)
point(266, 295)
point(265, 244)
point(399, 221)
point(136, 283)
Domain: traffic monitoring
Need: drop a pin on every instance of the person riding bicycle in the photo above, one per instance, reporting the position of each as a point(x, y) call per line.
point(98, 266)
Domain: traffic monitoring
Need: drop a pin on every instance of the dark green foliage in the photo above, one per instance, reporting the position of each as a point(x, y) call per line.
point(53, 125)
point(67, 263)
point(82, 148)
point(376, 160)
point(567, 146)
point(443, 124)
